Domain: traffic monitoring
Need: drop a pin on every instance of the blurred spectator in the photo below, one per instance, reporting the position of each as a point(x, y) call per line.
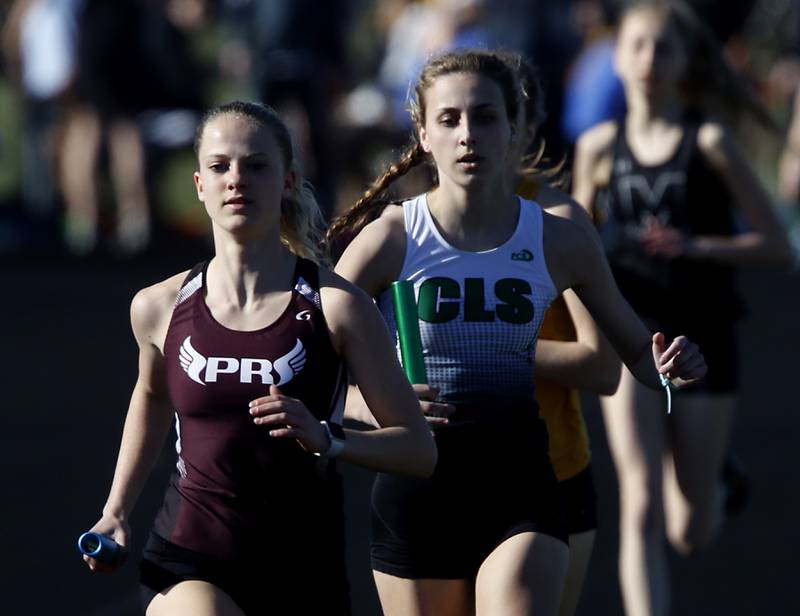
point(724, 23)
point(292, 53)
point(789, 172)
point(789, 178)
point(99, 79)
point(112, 86)
point(592, 92)
point(39, 45)
point(129, 62)
point(373, 118)
point(421, 29)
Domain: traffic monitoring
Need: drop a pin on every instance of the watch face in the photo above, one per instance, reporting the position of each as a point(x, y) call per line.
point(336, 440)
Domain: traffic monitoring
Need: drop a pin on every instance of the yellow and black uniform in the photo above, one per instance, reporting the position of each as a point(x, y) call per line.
point(560, 408)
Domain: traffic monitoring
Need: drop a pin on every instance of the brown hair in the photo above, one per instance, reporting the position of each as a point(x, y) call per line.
point(710, 84)
point(532, 100)
point(483, 63)
point(302, 223)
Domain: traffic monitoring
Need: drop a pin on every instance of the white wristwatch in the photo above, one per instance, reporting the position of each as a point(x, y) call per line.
point(335, 439)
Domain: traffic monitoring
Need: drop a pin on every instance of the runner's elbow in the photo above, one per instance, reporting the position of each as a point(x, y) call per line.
point(423, 462)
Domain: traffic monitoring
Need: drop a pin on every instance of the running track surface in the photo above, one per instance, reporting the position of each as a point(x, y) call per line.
point(68, 366)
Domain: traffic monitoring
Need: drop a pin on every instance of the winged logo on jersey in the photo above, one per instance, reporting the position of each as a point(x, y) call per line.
point(290, 364)
point(191, 361)
point(247, 368)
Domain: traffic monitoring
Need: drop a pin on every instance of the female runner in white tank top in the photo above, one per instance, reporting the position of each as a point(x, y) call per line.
point(497, 263)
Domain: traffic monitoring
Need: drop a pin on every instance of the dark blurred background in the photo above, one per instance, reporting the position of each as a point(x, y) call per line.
point(99, 100)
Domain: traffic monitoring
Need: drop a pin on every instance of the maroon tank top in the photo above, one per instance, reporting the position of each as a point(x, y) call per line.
point(234, 484)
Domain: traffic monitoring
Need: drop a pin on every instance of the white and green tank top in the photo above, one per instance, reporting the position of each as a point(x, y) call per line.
point(479, 312)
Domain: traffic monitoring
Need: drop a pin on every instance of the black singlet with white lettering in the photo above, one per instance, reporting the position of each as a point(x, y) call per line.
point(683, 192)
point(236, 491)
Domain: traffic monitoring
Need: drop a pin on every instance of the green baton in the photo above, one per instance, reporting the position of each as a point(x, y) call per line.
point(405, 314)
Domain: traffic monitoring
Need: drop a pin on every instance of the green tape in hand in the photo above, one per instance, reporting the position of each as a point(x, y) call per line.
point(405, 311)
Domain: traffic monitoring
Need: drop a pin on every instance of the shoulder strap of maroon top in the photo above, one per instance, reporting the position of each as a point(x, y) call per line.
point(306, 281)
point(199, 268)
point(191, 283)
point(308, 271)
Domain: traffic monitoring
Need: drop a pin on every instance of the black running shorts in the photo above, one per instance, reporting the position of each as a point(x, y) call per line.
point(299, 583)
point(493, 480)
point(580, 501)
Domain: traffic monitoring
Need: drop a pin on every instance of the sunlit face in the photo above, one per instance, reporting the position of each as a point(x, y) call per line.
point(650, 56)
point(242, 176)
point(466, 129)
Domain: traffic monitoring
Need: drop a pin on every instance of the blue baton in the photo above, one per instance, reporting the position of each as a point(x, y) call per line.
point(99, 546)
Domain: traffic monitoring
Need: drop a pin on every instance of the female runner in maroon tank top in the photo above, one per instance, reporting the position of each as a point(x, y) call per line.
point(248, 352)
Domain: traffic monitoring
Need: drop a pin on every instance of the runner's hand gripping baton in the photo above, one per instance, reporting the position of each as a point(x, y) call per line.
point(405, 313)
point(99, 546)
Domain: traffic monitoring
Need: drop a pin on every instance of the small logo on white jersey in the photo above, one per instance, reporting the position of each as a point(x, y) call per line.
point(522, 255)
point(303, 315)
point(285, 367)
